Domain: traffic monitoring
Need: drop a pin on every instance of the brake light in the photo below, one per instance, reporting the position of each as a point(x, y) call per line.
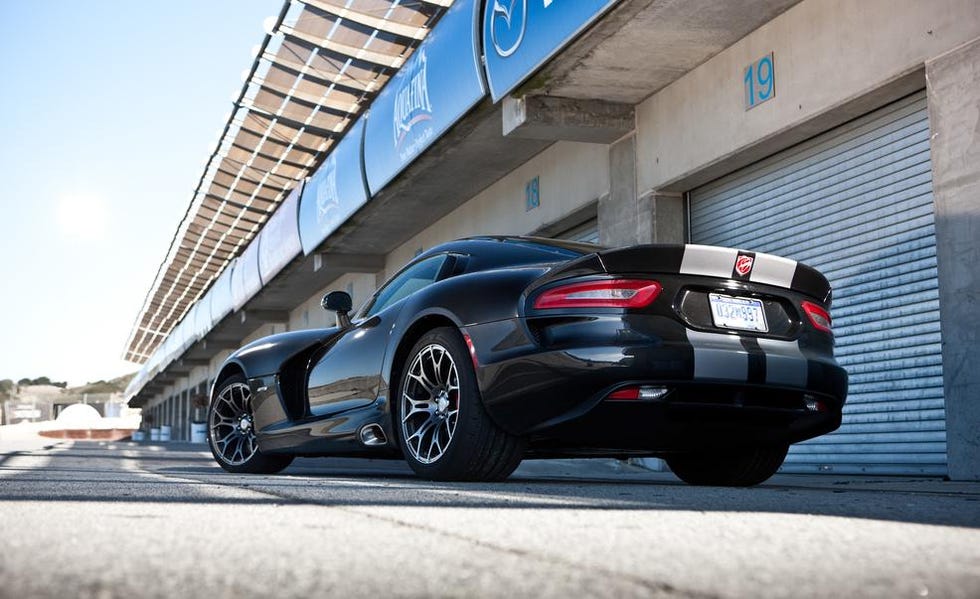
point(818, 317)
point(625, 393)
point(615, 293)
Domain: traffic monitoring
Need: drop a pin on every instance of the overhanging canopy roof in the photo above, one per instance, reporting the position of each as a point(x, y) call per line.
point(317, 69)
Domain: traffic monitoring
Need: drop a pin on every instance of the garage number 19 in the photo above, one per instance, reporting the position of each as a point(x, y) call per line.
point(760, 81)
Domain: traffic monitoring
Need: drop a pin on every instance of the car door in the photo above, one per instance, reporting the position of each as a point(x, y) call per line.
point(347, 374)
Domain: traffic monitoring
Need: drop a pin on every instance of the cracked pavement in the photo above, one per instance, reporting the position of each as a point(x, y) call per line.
point(90, 519)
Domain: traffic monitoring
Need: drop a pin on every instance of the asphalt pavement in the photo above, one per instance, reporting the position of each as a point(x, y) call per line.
point(101, 520)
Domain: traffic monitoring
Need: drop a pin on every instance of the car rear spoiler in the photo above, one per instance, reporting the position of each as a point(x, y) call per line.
point(699, 260)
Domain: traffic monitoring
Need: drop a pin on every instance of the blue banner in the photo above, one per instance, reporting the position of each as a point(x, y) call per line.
point(184, 335)
point(221, 297)
point(202, 317)
point(190, 320)
point(440, 82)
point(521, 35)
point(334, 192)
point(279, 239)
point(246, 280)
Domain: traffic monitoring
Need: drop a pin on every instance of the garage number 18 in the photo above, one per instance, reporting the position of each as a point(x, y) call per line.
point(760, 81)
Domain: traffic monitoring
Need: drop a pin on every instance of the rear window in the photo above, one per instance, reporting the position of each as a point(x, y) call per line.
point(560, 247)
point(525, 251)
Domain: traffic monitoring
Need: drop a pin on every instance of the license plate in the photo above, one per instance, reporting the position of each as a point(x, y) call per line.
point(741, 313)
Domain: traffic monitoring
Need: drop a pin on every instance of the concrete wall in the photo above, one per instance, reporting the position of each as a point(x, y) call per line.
point(834, 60)
point(570, 174)
point(954, 120)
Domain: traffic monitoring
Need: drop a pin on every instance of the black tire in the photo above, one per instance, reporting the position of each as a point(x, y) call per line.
point(475, 448)
point(728, 468)
point(234, 447)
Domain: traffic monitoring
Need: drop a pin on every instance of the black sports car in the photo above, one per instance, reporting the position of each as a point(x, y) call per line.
point(485, 350)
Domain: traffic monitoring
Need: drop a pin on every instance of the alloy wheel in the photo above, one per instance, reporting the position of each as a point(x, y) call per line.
point(430, 404)
point(232, 426)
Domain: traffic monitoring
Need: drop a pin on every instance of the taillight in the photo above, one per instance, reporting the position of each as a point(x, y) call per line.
point(818, 317)
point(615, 293)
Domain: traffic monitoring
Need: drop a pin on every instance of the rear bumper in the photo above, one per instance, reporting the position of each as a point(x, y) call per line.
point(674, 424)
point(722, 391)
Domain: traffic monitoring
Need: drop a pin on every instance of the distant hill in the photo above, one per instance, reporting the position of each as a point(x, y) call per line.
point(116, 385)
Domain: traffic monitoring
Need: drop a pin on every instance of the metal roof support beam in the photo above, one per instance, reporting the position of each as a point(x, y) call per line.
point(381, 59)
point(290, 96)
point(266, 156)
point(239, 206)
point(287, 122)
point(266, 185)
point(324, 103)
point(278, 142)
point(566, 119)
point(372, 21)
point(338, 79)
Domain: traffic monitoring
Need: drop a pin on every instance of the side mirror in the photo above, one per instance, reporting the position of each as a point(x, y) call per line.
point(341, 303)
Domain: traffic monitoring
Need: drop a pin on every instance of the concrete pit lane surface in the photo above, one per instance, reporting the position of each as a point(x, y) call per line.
point(100, 519)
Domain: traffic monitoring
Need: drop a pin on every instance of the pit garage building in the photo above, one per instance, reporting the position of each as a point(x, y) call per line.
point(842, 133)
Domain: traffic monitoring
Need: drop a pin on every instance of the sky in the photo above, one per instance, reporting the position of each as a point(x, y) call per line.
point(108, 111)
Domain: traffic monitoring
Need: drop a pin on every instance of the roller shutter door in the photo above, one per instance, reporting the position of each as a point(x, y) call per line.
point(856, 203)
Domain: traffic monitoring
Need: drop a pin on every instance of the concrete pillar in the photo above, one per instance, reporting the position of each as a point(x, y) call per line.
point(666, 217)
point(617, 212)
point(624, 218)
point(185, 419)
point(953, 84)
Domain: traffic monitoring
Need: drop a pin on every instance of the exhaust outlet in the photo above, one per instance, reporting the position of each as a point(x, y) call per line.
point(372, 435)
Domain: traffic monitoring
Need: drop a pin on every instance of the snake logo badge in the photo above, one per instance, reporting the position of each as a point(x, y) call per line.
point(743, 264)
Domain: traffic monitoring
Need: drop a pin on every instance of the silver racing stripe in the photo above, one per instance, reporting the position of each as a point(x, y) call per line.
point(718, 356)
point(785, 363)
point(708, 260)
point(773, 270)
point(712, 261)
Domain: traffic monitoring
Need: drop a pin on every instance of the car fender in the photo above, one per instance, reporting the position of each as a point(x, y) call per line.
point(267, 355)
point(481, 297)
point(460, 301)
point(463, 301)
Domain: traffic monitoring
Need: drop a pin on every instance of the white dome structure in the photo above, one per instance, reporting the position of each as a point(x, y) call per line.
point(79, 415)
